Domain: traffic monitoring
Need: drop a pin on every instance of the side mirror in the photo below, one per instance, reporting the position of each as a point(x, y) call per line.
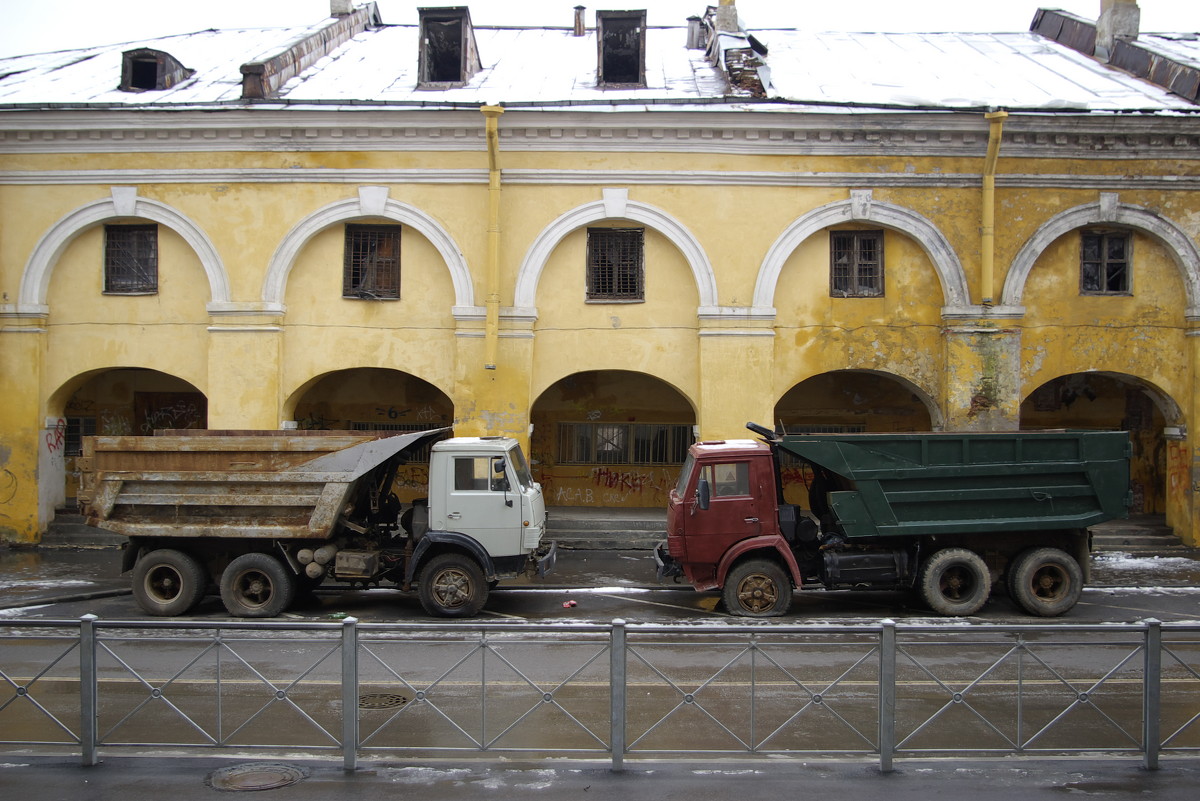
point(498, 465)
point(703, 493)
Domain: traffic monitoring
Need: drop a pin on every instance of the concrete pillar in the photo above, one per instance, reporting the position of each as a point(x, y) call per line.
point(494, 402)
point(736, 379)
point(23, 517)
point(245, 373)
point(982, 390)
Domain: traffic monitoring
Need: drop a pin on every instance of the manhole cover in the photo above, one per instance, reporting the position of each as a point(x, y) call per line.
point(256, 776)
point(381, 701)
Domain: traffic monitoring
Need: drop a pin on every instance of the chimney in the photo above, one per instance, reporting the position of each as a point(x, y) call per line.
point(580, 28)
point(727, 17)
point(1119, 19)
point(695, 34)
point(340, 8)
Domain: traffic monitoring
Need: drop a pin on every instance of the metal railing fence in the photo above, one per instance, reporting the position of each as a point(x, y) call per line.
point(608, 691)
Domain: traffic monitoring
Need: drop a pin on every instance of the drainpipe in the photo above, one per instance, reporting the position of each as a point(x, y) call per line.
point(491, 329)
point(988, 228)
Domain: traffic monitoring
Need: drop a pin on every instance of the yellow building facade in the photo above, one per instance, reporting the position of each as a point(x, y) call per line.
point(1083, 315)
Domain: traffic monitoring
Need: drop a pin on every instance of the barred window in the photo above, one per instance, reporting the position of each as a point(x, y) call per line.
point(131, 259)
point(371, 266)
point(77, 429)
point(623, 443)
point(1104, 263)
point(615, 264)
point(856, 264)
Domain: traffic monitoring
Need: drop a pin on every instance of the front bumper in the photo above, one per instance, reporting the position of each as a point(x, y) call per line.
point(545, 561)
point(668, 566)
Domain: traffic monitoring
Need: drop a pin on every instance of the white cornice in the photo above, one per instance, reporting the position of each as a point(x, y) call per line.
point(749, 130)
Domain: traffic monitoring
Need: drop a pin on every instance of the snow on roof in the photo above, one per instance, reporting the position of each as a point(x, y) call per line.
point(552, 67)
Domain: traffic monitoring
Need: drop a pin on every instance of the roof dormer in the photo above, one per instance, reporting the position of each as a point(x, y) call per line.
point(145, 70)
point(448, 54)
point(621, 39)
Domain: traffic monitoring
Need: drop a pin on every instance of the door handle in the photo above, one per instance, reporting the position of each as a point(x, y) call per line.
point(750, 520)
point(454, 515)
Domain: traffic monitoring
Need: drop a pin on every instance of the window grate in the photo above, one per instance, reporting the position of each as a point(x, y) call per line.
point(856, 264)
point(77, 429)
point(131, 259)
point(1104, 267)
point(615, 264)
point(623, 443)
point(371, 266)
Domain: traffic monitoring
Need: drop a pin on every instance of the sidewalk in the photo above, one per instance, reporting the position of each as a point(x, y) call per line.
point(184, 778)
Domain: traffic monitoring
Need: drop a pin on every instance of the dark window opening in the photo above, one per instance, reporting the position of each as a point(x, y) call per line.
point(448, 54)
point(1104, 264)
point(143, 74)
point(444, 42)
point(131, 259)
point(77, 429)
point(615, 266)
point(856, 264)
point(371, 264)
point(621, 37)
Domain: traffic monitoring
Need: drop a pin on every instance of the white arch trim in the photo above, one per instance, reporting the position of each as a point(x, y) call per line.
point(615, 204)
point(1108, 210)
point(861, 207)
point(124, 202)
point(372, 201)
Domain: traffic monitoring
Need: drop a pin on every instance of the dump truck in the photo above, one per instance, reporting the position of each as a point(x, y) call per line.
point(947, 515)
point(265, 516)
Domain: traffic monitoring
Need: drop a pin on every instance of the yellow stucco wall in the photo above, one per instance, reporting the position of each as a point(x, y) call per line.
point(314, 358)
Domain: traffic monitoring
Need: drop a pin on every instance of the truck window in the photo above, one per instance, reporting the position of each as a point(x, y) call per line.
point(728, 479)
point(476, 474)
point(516, 458)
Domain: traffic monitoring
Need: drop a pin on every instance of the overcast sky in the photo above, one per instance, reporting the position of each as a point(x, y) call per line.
point(36, 26)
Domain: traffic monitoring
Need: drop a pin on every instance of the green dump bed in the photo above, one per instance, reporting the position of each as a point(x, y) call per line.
point(964, 483)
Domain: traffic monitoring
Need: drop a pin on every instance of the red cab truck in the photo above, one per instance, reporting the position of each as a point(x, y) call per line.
point(949, 515)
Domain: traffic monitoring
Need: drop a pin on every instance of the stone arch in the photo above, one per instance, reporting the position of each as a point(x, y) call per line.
point(926, 399)
point(372, 201)
point(615, 205)
point(1107, 210)
point(124, 202)
point(862, 208)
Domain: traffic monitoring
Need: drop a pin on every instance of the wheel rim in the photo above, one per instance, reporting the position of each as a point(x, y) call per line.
point(757, 593)
point(957, 583)
point(452, 588)
point(254, 588)
point(163, 583)
point(1050, 583)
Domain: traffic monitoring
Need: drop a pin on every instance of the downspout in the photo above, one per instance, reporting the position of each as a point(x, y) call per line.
point(491, 329)
point(987, 229)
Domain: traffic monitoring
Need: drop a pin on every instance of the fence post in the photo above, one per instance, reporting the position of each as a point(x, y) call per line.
point(616, 674)
point(350, 693)
point(88, 687)
point(1152, 694)
point(887, 694)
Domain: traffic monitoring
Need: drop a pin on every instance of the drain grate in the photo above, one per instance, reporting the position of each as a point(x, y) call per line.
point(381, 701)
point(256, 776)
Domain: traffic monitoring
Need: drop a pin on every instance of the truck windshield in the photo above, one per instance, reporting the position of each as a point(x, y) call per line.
point(684, 475)
point(517, 459)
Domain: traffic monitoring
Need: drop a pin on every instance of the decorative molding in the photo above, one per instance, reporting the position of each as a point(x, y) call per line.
point(780, 130)
point(945, 261)
point(563, 177)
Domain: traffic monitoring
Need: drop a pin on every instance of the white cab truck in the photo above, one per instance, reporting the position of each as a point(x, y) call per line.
point(265, 516)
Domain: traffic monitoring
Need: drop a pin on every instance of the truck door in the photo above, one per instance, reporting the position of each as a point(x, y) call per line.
point(482, 503)
point(735, 509)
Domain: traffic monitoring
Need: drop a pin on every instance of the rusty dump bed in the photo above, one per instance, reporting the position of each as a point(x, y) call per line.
point(930, 483)
point(261, 484)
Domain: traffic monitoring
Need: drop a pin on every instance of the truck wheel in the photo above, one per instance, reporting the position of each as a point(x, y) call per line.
point(757, 588)
point(452, 585)
point(955, 581)
point(1045, 581)
point(168, 583)
point(257, 585)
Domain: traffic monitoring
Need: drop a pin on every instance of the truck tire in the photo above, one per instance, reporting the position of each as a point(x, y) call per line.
point(757, 588)
point(955, 581)
point(168, 583)
point(1045, 581)
point(257, 585)
point(452, 585)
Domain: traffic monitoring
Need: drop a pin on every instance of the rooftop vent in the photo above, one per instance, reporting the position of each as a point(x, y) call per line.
point(449, 56)
point(145, 70)
point(580, 27)
point(621, 39)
